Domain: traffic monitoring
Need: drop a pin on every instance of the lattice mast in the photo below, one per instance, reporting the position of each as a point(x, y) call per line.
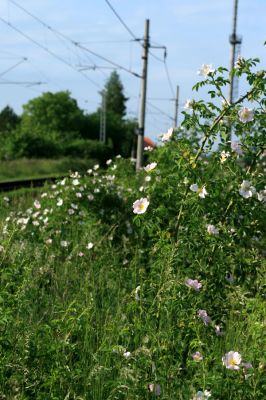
point(103, 118)
point(235, 41)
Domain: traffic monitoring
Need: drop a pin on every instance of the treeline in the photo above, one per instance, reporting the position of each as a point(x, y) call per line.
point(52, 126)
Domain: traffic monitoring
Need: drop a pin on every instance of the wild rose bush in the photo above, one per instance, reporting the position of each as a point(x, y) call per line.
point(120, 285)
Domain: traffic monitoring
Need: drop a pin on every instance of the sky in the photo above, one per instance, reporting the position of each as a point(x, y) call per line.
point(35, 58)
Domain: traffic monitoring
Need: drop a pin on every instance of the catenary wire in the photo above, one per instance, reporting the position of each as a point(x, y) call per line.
point(55, 32)
point(121, 20)
point(75, 43)
point(169, 79)
point(12, 67)
point(79, 45)
point(159, 110)
point(47, 50)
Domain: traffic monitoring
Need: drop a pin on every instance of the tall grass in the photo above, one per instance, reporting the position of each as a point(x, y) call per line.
point(37, 168)
point(121, 285)
point(111, 321)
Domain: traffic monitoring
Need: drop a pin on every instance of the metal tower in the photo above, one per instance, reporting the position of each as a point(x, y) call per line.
point(235, 41)
point(103, 118)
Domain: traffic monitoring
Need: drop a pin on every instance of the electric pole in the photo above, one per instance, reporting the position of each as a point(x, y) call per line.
point(176, 107)
point(140, 144)
point(103, 118)
point(235, 41)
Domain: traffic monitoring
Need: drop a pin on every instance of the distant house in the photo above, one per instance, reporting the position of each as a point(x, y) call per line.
point(149, 142)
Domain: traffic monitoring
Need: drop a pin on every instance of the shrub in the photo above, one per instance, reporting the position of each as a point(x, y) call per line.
point(34, 146)
point(88, 149)
point(102, 301)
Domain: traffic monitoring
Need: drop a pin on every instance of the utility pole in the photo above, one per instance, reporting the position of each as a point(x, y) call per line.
point(176, 107)
point(235, 42)
point(103, 118)
point(140, 143)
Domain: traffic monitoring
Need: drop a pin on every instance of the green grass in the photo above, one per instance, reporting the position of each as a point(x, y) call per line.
point(68, 319)
point(36, 168)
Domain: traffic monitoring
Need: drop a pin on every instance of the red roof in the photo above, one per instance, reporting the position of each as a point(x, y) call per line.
point(149, 142)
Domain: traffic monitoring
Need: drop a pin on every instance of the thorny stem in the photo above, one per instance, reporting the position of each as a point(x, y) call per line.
point(200, 150)
point(220, 91)
point(218, 119)
point(252, 165)
point(223, 220)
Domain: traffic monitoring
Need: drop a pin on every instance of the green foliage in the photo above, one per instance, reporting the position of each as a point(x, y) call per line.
point(88, 149)
point(52, 125)
point(52, 112)
point(8, 120)
point(36, 168)
point(34, 145)
point(114, 95)
point(121, 133)
point(90, 126)
point(100, 303)
point(48, 122)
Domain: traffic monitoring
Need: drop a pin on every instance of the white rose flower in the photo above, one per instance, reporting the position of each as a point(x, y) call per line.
point(127, 354)
point(140, 206)
point(59, 202)
point(206, 69)
point(167, 136)
point(189, 104)
point(212, 230)
point(75, 182)
point(224, 155)
point(246, 114)
point(150, 167)
point(202, 192)
point(37, 204)
point(232, 360)
point(246, 190)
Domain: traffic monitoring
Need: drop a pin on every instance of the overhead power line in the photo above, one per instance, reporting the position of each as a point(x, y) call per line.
point(122, 21)
point(10, 55)
point(12, 67)
point(171, 86)
point(107, 60)
point(156, 46)
point(169, 79)
point(159, 110)
point(75, 43)
point(107, 41)
point(54, 31)
point(156, 57)
point(161, 98)
point(93, 67)
point(21, 83)
point(47, 50)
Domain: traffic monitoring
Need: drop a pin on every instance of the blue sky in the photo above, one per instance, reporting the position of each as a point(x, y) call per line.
point(194, 33)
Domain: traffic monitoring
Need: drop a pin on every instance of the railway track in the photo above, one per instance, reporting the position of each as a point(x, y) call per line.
point(26, 183)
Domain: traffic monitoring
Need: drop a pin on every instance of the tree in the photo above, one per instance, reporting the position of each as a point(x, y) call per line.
point(91, 126)
point(115, 98)
point(48, 123)
point(52, 113)
point(121, 132)
point(8, 119)
point(118, 130)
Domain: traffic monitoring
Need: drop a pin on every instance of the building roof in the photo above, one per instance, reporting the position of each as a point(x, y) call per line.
point(149, 142)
